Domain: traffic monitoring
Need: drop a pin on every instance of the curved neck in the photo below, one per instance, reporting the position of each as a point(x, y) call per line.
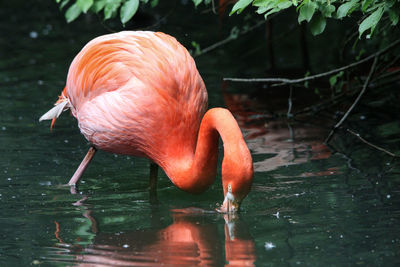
point(196, 172)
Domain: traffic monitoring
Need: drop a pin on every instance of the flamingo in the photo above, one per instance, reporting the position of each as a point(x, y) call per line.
point(139, 93)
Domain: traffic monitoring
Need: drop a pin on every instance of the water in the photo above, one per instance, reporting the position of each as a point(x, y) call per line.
point(308, 206)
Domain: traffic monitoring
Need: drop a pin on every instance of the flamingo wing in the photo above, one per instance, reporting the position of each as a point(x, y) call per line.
point(137, 93)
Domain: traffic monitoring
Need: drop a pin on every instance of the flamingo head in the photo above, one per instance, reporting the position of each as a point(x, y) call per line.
point(236, 182)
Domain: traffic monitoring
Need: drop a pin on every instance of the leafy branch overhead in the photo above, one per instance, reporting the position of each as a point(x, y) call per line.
point(316, 12)
point(127, 8)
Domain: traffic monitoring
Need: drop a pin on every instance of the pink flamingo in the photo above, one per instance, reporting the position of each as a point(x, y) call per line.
point(139, 93)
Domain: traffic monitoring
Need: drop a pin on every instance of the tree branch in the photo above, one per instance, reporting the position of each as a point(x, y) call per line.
point(371, 72)
point(372, 145)
point(283, 81)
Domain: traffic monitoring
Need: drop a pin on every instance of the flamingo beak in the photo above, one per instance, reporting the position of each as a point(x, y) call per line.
point(230, 204)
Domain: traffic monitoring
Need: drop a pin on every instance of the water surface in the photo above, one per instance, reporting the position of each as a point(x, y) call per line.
point(309, 205)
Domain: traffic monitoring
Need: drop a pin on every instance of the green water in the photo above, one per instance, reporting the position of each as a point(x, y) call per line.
point(308, 206)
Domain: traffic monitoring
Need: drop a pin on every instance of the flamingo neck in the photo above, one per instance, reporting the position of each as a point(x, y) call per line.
point(196, 172)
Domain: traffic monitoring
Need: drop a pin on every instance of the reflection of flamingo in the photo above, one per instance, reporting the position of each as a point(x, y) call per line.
point(189, 241)
point(139, 93)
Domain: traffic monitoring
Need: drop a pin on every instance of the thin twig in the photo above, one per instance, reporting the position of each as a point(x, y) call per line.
point(283, 81)
point(371, 72)
point(321, 105)
point(231, 37)
point(213, 7)
point(290, 103)
point(372, 145)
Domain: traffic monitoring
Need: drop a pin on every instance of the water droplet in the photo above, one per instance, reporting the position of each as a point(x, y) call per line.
point(66, 141)
point(269, 245)
point(33, 34)
point(341, 236)
point(9, 179)
point(362, 117)
point(3, 128)
point(40, 82)
point(388, 196)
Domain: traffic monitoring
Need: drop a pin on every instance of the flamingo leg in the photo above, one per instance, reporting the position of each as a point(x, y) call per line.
point(82, 167)
point(153, 177)
point(153, 183)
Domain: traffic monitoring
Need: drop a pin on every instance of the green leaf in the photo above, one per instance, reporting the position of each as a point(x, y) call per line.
point(197, 49)
point(302, 4)
point(394, 17)
point(327, 10)
point(63, 4)
point(197, 2)
point(307, 11)
point(84, 4)
point(344, 9)
point(240, 6)
point(72, 13)
point(390, 3)
point(98, 5)
point(370, 22)
point(128, 9)
point(262, 9)
point(153, 3)
point(317, 25)
point(284, 4)
point(110, 9)
point(263, 2)
point(333, 78)
point(366, 4)
point(272, 11)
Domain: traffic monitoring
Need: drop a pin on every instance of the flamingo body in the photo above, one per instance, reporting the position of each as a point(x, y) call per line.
point(129, 90)
point(139, 93)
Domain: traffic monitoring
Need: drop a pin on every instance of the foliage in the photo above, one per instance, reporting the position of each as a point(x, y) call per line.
point(316, 12)
point(109, 8)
